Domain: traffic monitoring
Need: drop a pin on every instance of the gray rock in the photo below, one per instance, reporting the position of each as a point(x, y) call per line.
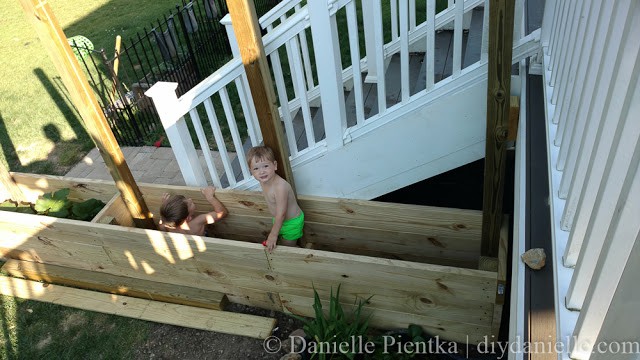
point(534, 258)
point(295, 339)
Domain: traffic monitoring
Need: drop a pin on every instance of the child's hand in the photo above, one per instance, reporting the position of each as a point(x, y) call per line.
point(208, 192)
point(270, 244)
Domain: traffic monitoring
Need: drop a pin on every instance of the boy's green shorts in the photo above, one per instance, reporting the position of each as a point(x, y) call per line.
point(291, 229)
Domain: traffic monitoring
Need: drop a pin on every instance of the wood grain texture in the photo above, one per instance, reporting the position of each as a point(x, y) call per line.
point(498, 109)
point(117, 211)
point(34, 185)
point(247, 32)
point(173, 314)
point(82, 95)
point(449, 330)
point(445, 299)
point(8, 187)
point(119, 285)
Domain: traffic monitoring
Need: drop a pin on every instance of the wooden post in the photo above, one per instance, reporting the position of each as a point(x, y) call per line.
point(498, 108)
point(55, 42)
point(247, 31)
point(9, 186)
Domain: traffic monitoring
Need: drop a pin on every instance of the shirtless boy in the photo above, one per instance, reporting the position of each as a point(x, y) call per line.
point(288, 218)
point(177, 213)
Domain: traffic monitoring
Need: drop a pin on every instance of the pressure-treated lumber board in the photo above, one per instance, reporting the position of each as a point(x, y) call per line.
point(442, 222)
point(174, 314)
point(373, 274)
point(145, 254)
point(116, 210)
point(429, 244)
point(362, 241)
point(385, 319)
point(359, 241)
point(498, 106)
point(8, 187)
point(119, 285)
point(230, 267)
point(33, 186)
point(404, 292)
point(409, 302)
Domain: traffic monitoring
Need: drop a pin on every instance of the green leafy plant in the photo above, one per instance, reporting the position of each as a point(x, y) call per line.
point(336, 326)
point(54, 204)
point(58, 205)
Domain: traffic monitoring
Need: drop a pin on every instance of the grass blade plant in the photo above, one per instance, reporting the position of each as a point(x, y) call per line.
point(335, 327)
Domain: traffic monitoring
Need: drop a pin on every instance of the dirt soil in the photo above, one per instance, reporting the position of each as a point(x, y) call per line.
point(175, 342)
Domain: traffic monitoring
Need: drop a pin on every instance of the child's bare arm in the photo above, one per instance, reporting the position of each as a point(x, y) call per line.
point(281, 195)
point(219, 210)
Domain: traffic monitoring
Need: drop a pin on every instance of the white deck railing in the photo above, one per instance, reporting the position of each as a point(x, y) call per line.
point(592, 86)
point(289, 25)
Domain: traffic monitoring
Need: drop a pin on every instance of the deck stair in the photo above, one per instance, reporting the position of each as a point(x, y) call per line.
point(433, 120)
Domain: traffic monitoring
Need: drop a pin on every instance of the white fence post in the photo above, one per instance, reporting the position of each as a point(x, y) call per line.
point(369, 41)
point(231, 36)
point(327, 53)
point(165, 100)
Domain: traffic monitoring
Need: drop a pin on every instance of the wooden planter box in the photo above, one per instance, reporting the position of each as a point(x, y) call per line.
point(419, 264)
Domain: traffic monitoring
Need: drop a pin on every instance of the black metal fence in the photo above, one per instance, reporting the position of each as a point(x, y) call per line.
point(184, 47)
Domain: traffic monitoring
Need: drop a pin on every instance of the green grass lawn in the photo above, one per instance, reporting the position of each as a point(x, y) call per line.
point(40, 131)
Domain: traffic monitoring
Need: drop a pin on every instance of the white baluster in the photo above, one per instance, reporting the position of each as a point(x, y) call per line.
point(431, 44)
point(404, 50)
point(352, 24)
point(393, 4)
point(457, 38)
point(296, 62)
point(369, 41)
point(284, 102)
point(329, 67)
point(235, 134)
point(547, 22)
point(204, 145)
point(165, 100)
point(380, 59)
point(222, 147)
point(625, 155)
point(305, 56)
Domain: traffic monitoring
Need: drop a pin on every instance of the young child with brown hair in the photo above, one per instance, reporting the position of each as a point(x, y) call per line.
point(177, 213)
point(288, 218)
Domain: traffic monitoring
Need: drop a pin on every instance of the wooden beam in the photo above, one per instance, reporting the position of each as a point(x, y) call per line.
point(498, 108)
point(55, 42)
point(247, 31)
point(8, 185)
point(173, 314)
point(114, 284)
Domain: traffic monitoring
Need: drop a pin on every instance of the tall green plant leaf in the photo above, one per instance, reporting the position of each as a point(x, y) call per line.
point(87, 210)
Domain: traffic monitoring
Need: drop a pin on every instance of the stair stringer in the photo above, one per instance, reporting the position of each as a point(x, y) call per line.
point(412, 142)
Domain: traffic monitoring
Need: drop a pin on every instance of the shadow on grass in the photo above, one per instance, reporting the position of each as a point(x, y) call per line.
point(65, 154)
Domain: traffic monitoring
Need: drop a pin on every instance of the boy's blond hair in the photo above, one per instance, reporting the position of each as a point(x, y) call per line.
point(174, 211)
point(259, 153)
